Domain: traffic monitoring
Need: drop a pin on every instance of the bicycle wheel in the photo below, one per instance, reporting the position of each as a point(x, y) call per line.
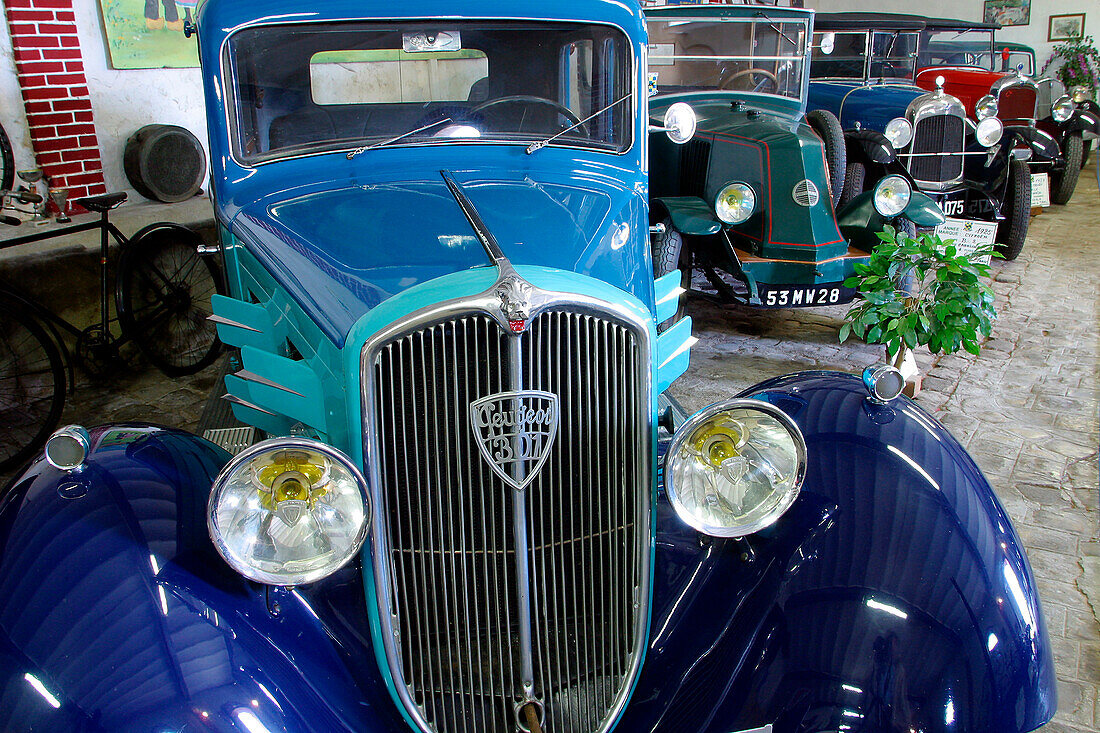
point(32, 385)
point(163, 299)
point(7, 162)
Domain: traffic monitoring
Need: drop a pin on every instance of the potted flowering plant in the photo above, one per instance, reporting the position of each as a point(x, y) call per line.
point(1079, 64)
point(920, 291)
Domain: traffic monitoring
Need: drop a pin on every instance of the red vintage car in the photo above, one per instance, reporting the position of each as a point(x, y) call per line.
point(960, 53)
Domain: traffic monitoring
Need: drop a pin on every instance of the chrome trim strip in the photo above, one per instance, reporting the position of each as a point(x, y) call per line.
point(257, 379)
point(245, 403)
point(226, 322)
point(489, 303)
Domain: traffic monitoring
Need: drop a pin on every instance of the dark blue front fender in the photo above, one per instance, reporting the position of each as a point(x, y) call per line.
point(894, 595)
point(116, 613)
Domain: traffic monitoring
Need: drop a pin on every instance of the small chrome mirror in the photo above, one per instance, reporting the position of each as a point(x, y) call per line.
point(828, 43)
point(883, 382)
point(68, 448)
point(680, 123)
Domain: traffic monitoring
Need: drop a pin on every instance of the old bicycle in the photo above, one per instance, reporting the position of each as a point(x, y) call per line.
point(162, 290)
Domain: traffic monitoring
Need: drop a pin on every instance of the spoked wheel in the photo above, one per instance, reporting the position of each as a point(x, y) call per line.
point(7, 162)
point(32, 386)
point(163, 299)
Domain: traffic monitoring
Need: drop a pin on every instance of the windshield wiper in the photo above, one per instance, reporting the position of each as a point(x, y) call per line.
point(402, 136)
point(540, 144)
point(775, 28)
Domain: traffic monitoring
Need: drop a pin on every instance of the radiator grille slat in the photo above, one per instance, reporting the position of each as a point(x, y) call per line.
point(450, 538)
point(938, 134)
point(1016, 103)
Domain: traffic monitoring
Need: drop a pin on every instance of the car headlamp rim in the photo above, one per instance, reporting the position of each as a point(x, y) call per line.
point(1062, 109)
point(788, 496)
point(892, 195)
point(989, 131)
point(899, 131)
point(743, 214)
point(986, 107)
point(243, 461)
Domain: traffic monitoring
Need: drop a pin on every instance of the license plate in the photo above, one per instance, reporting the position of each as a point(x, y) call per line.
point(968, 235)
point(800, 296)
point(1040, 190)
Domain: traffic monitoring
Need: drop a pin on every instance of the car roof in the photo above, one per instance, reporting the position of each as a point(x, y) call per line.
point(863, 21)
point(727, 10)
point(962, 25)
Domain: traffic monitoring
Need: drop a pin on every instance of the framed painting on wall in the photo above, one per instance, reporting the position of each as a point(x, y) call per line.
point(1008, 12)
point(148, 34)
point(1066, 27)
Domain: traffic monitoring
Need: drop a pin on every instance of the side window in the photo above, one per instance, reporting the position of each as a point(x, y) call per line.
point(392, 75)
point(576, 77)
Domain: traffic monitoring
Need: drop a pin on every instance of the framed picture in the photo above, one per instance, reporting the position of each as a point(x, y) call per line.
point(151, 38)
point(1066, 27)
point(1008, 12)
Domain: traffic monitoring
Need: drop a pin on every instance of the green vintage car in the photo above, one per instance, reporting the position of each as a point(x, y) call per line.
point(750, 199)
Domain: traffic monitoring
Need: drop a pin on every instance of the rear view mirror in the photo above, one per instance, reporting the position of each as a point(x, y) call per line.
point(828, 43)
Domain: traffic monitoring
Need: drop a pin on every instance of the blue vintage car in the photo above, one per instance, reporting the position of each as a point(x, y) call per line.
point(475, 509)
point(863, 71)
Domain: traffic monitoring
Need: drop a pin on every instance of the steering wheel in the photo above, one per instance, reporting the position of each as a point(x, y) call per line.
point(531, 99)
point(727, 83)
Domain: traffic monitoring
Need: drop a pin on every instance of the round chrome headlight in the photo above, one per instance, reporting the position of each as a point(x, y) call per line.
point(735, 203)
point(1062, 109)
point(989, 131)
point(892, 194)
point(1080, 94)
point(899, 132)
point(288, 511)
point(734, 468)
point(986, 107)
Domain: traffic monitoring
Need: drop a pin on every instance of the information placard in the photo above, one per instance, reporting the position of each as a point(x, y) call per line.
point(1040, 190)
point(968, 235)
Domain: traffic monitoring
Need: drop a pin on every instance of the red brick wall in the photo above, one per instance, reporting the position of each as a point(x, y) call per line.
point(55, 93)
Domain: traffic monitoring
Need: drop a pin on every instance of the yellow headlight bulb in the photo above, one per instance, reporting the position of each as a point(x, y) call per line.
point(717, 440)
point(290, 482)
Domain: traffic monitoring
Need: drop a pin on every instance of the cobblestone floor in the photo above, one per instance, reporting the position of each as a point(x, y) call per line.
point(1026, 409)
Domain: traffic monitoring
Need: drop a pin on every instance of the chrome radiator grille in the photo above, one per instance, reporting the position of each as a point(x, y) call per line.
point(455, 573)
point(937, 134)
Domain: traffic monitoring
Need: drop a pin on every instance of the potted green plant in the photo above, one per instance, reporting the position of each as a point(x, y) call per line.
point(1079, 65)
point(920, 291)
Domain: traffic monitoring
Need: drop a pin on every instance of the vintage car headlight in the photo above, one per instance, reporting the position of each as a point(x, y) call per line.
point(986, 107)
point(1080, 94)
point(899, 132)
point(735, 203)
point(892, 194)
point(989, 131)
point(288, 511)
point(735, 467)
point(1062, 109)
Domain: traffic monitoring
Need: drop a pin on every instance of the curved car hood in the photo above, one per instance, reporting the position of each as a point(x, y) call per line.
point(871, 105)
point(340, 248)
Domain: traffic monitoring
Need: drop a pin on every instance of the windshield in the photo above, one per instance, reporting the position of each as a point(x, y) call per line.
point(956, 48)
point(737, 54)
point(306, 88)
point(1007, 60)
point(893, 55)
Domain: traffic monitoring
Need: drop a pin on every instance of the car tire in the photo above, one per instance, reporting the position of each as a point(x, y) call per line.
point(828, 128)
point(1012, 232)
point(670, 254)
point(1064, 182)
point(855, 178)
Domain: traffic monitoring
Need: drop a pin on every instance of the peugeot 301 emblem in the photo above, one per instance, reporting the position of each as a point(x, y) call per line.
point(514, 432)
